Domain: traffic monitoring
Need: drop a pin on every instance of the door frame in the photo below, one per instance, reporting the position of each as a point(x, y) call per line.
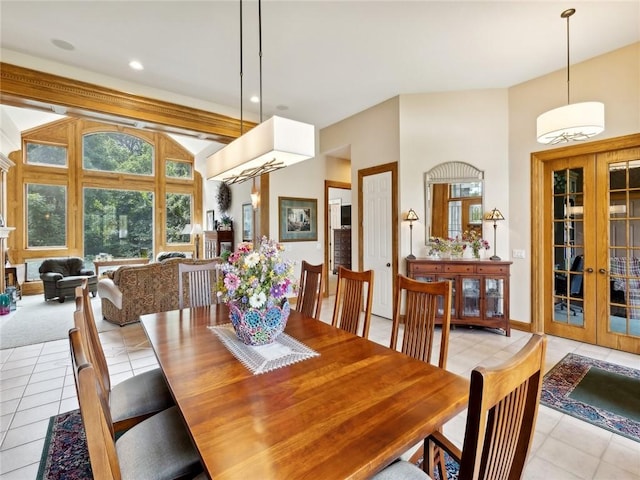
point(538, 160)
point(327, 185)
point(365, 172)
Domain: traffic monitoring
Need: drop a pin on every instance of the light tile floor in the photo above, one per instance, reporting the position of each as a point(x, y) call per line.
point(36, 383)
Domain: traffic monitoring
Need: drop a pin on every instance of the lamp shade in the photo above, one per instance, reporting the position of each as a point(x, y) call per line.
point(494, 215)
point(197, 229)
point(273, 144)
point(186, 229)
point(412, 216)
point(577, 121)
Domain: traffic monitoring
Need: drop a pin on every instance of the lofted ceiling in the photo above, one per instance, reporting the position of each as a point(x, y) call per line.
point(322, 60)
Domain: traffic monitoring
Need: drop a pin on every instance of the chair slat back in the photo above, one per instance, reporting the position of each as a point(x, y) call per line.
point(310, 290)
point(421, 307)
point(201, 284)
point(86, 323)
point(351, 301)
point(503, 405)
point(96, 417)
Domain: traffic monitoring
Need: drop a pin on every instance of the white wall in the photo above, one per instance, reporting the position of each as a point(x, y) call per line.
point(469, 127)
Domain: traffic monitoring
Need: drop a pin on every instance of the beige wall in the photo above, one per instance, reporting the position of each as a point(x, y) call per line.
point(613, 79)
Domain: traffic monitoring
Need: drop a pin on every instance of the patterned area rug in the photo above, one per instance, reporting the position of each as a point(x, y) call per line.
point(65, 455)
point(598, 392)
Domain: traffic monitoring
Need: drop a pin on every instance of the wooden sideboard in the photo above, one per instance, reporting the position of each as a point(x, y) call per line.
point(341, 248)
point(480, 289)
point(216, 242)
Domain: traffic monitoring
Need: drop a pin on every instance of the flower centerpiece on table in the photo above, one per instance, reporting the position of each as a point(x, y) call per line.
point(456, 247)
point(475, 241)
point(256, 282)
point(438, 246)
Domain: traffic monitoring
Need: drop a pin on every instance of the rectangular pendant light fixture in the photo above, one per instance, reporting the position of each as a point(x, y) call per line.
point(273, 144)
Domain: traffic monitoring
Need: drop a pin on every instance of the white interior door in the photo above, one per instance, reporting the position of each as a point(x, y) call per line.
point(377, 240)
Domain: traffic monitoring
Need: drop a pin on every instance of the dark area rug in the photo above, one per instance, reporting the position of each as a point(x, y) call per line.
point(65, 455)
point(598, 392)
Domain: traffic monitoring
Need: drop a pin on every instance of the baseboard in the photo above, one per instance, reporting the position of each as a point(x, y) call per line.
point(522, 326)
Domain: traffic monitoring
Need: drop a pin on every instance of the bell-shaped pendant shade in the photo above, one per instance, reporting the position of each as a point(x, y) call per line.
point(577, 121)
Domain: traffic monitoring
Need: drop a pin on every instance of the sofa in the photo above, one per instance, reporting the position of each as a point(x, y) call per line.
point(61, 276)
point(135, 290)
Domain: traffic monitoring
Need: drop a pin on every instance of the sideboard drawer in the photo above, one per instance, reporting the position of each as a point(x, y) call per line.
point(426, 268)
point(459, 268)
point(493, 269)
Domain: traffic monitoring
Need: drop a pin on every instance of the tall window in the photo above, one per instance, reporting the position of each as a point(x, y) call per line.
point(50, 155)
point(176, 169)
point(178, 217)
point(118, 222)
point(46, 215)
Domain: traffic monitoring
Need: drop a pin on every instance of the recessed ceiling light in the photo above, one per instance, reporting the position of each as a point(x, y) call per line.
point(62, 44)
point(254, 99)
point(136, 65)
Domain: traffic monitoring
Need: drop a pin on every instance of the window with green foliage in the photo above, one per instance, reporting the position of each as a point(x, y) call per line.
point(117, 152)
point(46, 215)
point(117, 222)
point(178, 208)
point(51, 155)
point(176, 169)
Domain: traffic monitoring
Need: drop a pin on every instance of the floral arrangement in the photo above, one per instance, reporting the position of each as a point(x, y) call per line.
point(258, 278)
point(475, 241)
point(438, 245)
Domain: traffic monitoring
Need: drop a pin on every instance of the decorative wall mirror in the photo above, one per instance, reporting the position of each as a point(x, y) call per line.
point(454, 193)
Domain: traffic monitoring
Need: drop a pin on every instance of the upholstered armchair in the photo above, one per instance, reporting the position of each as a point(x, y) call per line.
point(61, 276)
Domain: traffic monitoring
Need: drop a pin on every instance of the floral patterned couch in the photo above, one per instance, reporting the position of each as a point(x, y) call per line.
point(136, 290)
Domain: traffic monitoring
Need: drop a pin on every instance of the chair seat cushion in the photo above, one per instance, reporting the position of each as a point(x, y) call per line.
point(139, 395)
point(158, 448)
point(401, 470)
point(76, 281)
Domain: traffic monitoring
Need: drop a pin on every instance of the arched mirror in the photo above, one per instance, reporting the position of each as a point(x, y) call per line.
point(454, 193)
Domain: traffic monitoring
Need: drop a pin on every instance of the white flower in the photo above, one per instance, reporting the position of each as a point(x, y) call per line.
point(257, 300)
point(252, 259)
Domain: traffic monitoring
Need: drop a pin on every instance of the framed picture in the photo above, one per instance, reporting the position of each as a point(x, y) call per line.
point(298, 219)
point(247, 222)
point(211, 224)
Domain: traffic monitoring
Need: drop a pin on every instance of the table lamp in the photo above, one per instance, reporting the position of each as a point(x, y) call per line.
point(494, 215)
point(197, 231)
point(411, 217)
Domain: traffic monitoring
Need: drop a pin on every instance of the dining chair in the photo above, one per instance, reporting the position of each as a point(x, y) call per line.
point(423, 302)
point(501, 417)
point(310, 290)
point(159, 447)
point(350, 301)
point(133, 399)
point(201, 285)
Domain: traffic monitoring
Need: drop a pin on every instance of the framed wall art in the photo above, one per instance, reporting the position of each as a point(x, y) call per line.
point(298, 219)
point(247, 222)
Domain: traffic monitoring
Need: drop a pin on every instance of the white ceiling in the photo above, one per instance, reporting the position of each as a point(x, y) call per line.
point(322, 60)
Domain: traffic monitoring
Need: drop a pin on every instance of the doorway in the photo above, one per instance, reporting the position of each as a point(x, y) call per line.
point(338, 238)
point(589, 243)
point(378, 232)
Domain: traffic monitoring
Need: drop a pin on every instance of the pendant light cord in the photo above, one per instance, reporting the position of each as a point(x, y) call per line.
point(241, 74)
point(567, 14)
point(260, 51)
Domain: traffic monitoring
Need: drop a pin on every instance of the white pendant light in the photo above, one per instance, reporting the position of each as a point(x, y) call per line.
point(578, 121)
point(271, 145)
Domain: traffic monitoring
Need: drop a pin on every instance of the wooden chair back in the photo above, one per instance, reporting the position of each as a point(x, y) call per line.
point(86, 324)
point(503, 405)
point(351, 301)
point(201, 285)
point(96, 417)
point(310, 290)
point(421, 307)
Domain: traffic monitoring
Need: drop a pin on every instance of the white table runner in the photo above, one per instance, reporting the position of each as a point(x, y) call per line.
point(285, 350)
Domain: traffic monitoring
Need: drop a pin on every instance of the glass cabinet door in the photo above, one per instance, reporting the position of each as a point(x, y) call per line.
point(494, 297)
point(470, 297)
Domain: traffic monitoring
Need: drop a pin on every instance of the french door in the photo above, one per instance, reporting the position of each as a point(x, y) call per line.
point(591, 234)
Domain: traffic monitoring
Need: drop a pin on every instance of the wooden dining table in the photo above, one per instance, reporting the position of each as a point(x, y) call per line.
point(343, 414)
